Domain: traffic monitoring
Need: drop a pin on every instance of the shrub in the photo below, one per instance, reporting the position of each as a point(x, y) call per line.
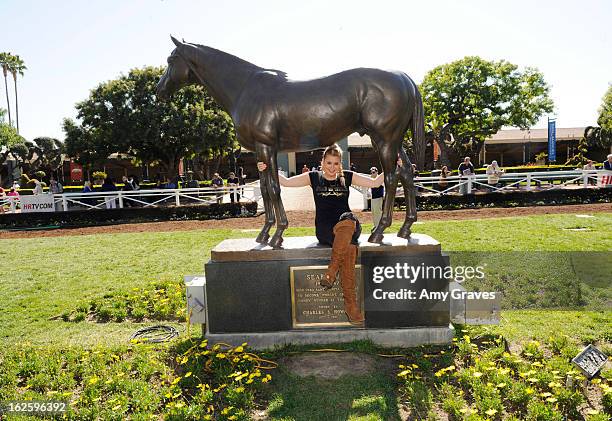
point(532, 351)
point(539, 411)
point(99, 175)
point(558, 343)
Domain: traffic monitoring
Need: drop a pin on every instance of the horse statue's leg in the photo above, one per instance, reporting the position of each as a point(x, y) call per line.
point(387, 152)
point(407, 178)
point(275, 192)
point(264, 184)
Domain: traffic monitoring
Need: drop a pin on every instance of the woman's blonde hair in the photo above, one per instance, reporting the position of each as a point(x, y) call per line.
point(334, 150)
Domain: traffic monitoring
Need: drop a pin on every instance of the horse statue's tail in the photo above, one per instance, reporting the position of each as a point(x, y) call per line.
point(418, 130)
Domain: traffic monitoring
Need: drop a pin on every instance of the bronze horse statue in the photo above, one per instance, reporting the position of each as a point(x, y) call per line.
point(273, 114)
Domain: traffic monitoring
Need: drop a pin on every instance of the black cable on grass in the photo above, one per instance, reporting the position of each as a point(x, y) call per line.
point(154, 334)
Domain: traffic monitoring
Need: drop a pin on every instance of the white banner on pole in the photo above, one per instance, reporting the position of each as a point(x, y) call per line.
point(37, 203)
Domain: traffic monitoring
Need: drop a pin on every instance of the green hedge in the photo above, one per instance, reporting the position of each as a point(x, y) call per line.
point(511, 199)
point(81, 218)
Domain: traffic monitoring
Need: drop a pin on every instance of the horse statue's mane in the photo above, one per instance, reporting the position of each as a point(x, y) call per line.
point(279, 73)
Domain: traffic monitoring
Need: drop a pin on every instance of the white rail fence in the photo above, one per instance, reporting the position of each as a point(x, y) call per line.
point(546, 180)
point(144, 198)
point(251, 192)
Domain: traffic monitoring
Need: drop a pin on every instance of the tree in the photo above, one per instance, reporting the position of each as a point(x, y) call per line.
point(10, 143)
point(16, 65)
point(44, 153)
point(124, 116)
point(596, 136)
point(470, 99)
point(5, 60)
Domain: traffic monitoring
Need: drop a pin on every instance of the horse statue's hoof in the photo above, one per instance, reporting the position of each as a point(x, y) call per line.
point(276, 242)
point(375, 238)
point(404, 233)
point(262, 238)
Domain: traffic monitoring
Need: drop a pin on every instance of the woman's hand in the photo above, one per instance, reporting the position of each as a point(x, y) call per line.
point(261, 166)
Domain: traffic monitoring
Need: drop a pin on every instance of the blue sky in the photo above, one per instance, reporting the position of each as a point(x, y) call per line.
point(70, 47)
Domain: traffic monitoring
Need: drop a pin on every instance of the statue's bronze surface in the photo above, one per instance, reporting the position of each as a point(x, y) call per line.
point(273, 114)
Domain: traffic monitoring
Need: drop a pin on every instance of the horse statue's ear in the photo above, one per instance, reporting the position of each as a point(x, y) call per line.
point(175, 41)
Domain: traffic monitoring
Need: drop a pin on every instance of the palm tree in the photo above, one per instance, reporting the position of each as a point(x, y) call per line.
point(16, 66)
point(5, 59)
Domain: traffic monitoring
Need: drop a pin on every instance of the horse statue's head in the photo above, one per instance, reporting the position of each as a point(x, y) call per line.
point(178, 73)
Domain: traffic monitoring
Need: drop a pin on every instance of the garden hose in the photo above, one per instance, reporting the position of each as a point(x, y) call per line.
point(255, 357)
point(154, 334)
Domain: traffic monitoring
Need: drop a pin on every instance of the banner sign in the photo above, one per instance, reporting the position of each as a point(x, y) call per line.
point(552, 141)
point(76, 172)
point(37, 203)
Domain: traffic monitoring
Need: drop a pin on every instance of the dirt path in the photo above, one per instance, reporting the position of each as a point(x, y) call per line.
point(306, 219)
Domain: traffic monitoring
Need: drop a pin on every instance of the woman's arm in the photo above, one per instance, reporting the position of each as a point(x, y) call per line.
point(301, 180)
point(363, 180)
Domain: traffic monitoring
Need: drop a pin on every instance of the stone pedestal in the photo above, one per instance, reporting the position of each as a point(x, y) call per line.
point(269, 297)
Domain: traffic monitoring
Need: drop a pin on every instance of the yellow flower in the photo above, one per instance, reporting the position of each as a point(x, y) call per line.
point(239, 349)
point(221, 355)
point(529, 391)
point(188, 374)
point(239, 389)
point(491, 412)
point(477, 374)
point(501, 385)
point(551, 400)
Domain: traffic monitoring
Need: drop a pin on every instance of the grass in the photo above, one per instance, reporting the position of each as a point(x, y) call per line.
point(50, 276)
point(368, 397)
point(55, 276)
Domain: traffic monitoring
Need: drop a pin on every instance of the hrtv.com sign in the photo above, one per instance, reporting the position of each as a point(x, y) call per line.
point(38, 203)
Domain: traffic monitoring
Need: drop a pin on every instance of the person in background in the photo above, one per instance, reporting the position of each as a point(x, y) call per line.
point(55, 187)
point(607, 165)
point(134, 181)
point(2, 196)
point(305, 169)
point(493, 175)
point(589, 166)
point(353, 167)
point(443, 182)
point(217, 183)
point(109, 186)
point(606, 179)
point(241, 180)
point(466, 169)
point(14, 194)
point(87, 187)
point(233, 181)
point(377, 199)
point(38, 188)
point(170, 184)
point(127, 187)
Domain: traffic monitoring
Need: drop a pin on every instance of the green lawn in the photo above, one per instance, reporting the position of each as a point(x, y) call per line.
point(48, 276)
point(45, 278)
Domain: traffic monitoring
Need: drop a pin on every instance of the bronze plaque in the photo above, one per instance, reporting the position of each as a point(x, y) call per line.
point(314, 306)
